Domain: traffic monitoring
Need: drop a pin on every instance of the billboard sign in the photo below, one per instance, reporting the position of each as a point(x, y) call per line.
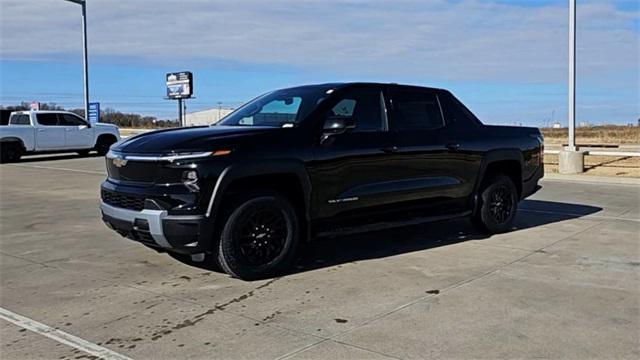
point(94, 112)
point(179, 85)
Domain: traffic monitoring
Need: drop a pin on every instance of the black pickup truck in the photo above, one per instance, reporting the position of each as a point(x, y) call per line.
point(301, 162)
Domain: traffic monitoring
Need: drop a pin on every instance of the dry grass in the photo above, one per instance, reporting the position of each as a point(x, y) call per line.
point(601, 165)
point(596, 135)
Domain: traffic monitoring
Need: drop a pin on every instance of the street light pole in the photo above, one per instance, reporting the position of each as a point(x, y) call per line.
point(85, 58)
point(572, 76)
point(571, 159)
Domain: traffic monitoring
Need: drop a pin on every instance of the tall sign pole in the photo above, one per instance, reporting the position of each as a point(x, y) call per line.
point(572, 75)
point(85, 61)
point(180, 87)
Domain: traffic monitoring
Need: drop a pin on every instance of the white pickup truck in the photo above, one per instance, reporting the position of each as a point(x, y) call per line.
point(30, 132)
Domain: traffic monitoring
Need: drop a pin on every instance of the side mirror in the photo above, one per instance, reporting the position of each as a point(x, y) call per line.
point(338, 125)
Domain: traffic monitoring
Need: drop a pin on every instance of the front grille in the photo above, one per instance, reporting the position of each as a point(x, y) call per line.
point(122, 200)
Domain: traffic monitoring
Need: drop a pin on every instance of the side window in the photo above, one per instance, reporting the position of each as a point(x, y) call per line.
point(47, 119)
point(71, 120)
point(364, 106)
point(416, 110)
point(20, 120)
point(454, 111)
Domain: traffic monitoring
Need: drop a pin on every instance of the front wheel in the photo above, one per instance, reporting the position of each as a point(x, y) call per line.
point(259, 238)
point(498, 205)
point(103, 144)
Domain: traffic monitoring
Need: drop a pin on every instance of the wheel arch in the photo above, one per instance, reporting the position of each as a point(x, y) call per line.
point(287, 177)
point(509, 162)
point(104, 136)
point(12, 139)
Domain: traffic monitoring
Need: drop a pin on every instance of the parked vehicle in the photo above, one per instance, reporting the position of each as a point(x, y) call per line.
point(4, 116)
point(315, 160)
point(31, 132)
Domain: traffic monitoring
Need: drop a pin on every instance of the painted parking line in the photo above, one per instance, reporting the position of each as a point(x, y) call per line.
point(60, 336)
point(59, 168)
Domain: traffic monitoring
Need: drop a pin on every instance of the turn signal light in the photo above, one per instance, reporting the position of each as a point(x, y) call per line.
point(221, 152)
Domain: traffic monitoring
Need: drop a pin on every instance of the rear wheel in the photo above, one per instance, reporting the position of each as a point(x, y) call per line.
point(498, 205)
point(11, 152)
point(259, 237)
point(103, 144)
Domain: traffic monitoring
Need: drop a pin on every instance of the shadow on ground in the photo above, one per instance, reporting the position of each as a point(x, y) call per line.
point(327, 252)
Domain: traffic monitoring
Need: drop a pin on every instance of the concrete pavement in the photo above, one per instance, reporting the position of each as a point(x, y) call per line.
point(564, 283)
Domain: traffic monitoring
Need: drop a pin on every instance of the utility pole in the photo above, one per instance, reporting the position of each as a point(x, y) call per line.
point(85, 57)
point(572, 76)
point(571, 159)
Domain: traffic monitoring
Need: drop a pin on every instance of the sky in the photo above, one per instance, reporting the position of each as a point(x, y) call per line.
point(505, 59)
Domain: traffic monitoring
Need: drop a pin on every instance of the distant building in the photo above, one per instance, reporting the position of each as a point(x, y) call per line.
point(206, 117)
point(583, 124)
point(556, 125)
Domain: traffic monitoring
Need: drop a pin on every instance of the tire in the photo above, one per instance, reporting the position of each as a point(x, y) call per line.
point(11, 152)
point(498, 205)
point(259, 237)
point(104, 142)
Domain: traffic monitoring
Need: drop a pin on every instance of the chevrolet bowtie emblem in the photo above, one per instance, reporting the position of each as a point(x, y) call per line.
point(119, 162)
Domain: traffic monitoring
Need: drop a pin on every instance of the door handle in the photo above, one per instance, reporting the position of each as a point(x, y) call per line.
point(40, 130)
point(390, 149)
point(68, 129)
point(453, 146)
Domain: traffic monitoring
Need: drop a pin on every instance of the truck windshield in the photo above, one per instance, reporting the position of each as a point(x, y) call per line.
point(281, 108)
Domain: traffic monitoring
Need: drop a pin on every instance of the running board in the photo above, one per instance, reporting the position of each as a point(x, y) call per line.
point(350, 230)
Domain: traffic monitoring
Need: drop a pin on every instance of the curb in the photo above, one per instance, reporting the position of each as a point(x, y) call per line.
point(592, 179)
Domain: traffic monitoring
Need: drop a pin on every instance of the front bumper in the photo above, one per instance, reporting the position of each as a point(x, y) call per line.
point(156, 228)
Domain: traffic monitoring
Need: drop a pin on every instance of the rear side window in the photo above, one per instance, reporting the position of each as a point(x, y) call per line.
point(455, 112)
point(20, 120)
point(416, 110)
point(47, 119)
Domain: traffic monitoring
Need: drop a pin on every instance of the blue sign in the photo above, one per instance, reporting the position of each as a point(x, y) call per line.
point(94, 112)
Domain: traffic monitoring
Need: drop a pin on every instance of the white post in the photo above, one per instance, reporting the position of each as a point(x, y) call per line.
point(572, 76)
point(570, 159)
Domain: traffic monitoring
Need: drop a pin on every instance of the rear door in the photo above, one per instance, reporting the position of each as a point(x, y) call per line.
point(78, 134)
point(50, 134)
point(427, 157)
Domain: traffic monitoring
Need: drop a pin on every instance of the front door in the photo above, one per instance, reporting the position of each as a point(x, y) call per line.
point(78, 134)
point(50, 134)
point(350, 172)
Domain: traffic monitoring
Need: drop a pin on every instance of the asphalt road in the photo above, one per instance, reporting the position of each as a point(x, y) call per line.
point(564, 283)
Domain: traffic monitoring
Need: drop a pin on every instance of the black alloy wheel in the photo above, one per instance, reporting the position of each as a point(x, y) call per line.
point(259, 236)
point(498, 204)
point(501, 204)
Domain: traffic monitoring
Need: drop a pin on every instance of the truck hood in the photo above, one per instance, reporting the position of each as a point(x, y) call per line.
point(201, 138)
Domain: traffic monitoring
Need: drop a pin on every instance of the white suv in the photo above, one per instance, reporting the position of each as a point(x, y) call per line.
point(31, 132)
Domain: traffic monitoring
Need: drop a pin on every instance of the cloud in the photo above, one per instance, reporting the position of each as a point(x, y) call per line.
point(466, 40)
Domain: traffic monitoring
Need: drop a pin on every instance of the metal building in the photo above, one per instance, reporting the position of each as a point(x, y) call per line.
point(206, 117)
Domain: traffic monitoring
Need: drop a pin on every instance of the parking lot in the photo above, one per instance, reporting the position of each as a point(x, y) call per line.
point(564, 283)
